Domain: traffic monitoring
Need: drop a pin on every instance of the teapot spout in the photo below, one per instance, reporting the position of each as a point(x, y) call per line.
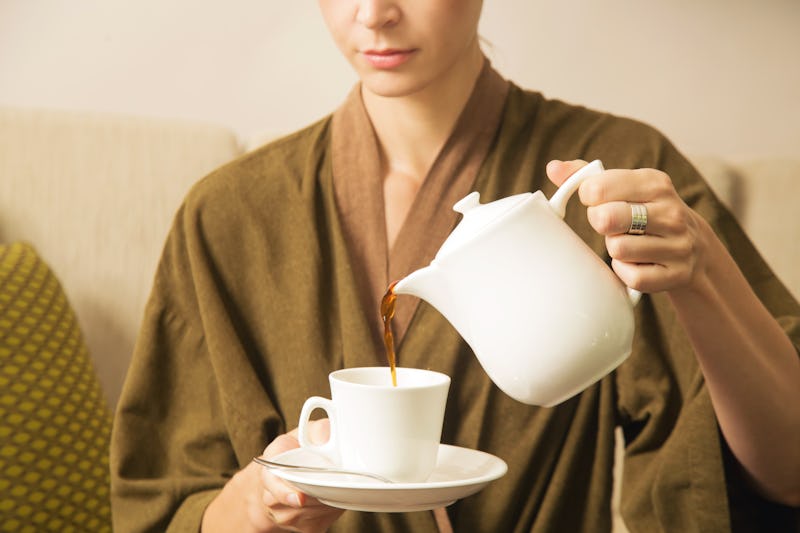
point(429, 284)
point(424, 283)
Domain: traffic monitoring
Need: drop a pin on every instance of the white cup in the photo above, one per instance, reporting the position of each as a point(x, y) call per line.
point(379, 428)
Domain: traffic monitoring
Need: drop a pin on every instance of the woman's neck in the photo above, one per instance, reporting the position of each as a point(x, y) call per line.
point(412, 129)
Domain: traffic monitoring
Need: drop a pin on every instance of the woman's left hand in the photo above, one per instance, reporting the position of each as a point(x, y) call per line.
point(670, 253)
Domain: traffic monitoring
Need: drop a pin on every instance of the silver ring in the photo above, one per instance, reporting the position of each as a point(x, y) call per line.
point(638, 219)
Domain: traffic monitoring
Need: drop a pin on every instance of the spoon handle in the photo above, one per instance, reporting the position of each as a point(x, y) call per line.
point(330, 470)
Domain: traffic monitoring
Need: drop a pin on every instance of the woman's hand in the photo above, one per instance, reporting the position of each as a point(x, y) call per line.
point(670, 254)
point(256, 501)
point(750, 365)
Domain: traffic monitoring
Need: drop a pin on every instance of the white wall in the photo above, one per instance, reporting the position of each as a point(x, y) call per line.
point(718, 76)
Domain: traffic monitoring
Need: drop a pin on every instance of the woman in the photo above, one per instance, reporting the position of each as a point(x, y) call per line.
point(275, 264)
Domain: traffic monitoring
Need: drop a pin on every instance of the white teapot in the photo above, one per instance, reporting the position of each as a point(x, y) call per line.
point(545, 316)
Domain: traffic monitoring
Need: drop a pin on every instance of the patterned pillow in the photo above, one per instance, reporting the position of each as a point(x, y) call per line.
point(54, 420)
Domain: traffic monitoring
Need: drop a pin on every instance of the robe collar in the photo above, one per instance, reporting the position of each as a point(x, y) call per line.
point(358, 191)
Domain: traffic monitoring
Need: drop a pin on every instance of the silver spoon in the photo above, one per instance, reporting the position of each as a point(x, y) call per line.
point(326, 469)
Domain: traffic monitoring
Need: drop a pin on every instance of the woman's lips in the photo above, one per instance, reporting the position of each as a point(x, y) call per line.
point(388, 58)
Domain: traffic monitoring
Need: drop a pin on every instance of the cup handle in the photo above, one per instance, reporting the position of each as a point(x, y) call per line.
point(330, 449)
point(560, 198)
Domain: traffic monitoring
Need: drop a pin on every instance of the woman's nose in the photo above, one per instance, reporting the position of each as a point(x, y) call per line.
point(375, 14)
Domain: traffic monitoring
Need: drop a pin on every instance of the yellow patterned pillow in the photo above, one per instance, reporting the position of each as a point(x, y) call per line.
point(54, 420)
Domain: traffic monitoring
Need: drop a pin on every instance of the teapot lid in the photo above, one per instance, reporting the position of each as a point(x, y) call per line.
point(477, 216)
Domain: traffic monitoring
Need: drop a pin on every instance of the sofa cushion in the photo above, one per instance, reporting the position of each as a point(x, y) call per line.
point(96, 193)
point(770, 189)
point(761, 194)
point(54, 420)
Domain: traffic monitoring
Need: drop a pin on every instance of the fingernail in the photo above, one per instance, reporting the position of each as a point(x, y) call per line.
point(294, 499)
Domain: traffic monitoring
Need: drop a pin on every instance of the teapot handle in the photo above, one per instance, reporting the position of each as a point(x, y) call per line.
point(634, 296)
point(560, 198)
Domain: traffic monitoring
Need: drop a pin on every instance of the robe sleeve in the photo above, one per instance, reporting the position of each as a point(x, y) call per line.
point(162, 451)
point(172, 447)
point(677, 466)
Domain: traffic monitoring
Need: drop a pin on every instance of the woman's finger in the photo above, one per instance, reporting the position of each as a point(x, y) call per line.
point(664, 218)
point(318, 431)
point(644, 249)
point(613, 218)
point(314, 516)
point(280, 491)
point(285, 506)
point(558, 171)
point(621, 185)
point(651, 277)
point(282, 443)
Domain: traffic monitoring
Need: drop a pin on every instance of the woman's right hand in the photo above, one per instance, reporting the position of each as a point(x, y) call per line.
point(256, 501)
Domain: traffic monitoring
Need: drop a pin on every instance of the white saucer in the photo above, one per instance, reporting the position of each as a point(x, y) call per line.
point(459, 472)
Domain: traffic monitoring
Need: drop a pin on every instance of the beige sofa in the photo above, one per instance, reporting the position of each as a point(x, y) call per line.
point(95, 195)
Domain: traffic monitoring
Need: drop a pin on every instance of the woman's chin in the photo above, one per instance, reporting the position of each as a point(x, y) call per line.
point(392, 84)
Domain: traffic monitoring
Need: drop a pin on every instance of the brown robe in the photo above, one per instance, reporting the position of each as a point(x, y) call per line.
point(264, 287)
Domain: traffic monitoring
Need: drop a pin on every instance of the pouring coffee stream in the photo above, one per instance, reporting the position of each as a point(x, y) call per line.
point(387, 312)
point(542, 312)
